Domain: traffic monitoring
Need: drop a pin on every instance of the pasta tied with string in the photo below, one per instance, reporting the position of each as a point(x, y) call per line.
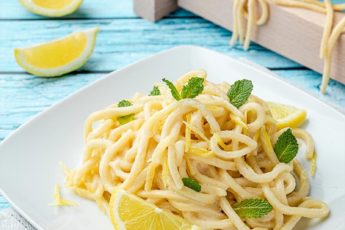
point(247, 9)
point(200, 157)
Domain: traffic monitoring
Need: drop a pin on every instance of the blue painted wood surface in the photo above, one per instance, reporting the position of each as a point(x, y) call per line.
point(123, 38)
point(90, 9)
point(123, 41)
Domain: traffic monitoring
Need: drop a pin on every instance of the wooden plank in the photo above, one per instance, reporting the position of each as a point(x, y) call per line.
point(22, 95)
point(90, 9)
point(120, 42)
point(310, 82)
point(154, 10)
point(294, 33)
point(3, 203)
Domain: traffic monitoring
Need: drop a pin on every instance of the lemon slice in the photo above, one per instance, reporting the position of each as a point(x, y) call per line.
point(287, 116)
point(51, 8)
point(58, 57)
point(129, 212)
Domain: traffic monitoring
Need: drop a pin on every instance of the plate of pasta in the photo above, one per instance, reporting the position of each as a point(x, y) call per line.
point(186, 139)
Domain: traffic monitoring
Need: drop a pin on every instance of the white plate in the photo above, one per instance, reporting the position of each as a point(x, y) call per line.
point(29, 158)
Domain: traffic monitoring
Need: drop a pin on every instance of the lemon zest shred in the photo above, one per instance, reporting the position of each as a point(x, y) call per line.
point(313, 165)
point(212, 107)
point(68, 173)
point(266, 141)
point(201, 152)
point(187, 134)
point(189, 166)
point(59, 201)
point(196, 131)
point(165, 173)
point(257, 136)
point(64, 167)
point(220, 142)
point(238, 121)
point(150, 176)
point(245, 132)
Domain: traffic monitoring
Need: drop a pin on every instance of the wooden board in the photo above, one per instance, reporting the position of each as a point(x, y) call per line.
point(154, 10)
point(123, 41)
point(90, 9)
point(294, 33)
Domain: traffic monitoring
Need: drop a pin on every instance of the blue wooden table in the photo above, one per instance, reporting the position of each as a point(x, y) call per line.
point(123, 39)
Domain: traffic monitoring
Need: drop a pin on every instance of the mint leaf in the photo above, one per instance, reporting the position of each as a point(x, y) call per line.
point(155, 91)
point(191, 183)
point(124, 103)
point(286, 147)
point(173, 89)
point(239, 92)
point(194, 87)
point(252, 208)
point(127, 118)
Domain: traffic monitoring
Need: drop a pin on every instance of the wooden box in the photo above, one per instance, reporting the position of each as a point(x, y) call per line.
point(292, 32)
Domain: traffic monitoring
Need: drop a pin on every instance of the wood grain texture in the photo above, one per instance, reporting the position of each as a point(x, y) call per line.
point(123, 41)
point(90, 9)
point(294, 33)
point(154, 10)
point(22, 95)
point(3, 203)
point(310, 82)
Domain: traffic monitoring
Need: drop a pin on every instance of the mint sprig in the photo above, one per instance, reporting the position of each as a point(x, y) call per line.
point(155, 91)
point(124, 103)
point(191, 183)
point(252, 208)
point(127, 118)
point(286, 147)
point(193, 88)
point(173, 89)
point(239, 92)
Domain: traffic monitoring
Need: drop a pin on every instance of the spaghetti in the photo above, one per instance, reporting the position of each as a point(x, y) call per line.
point(227, 150)
point(243, 8)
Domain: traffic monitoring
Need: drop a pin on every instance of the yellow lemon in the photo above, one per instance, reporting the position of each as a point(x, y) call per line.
point(287, 116)
point(51, 8)
point(58, 57)
point(129, 212)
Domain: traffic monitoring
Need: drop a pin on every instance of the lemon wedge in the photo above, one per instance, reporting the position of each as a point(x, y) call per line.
point(58, 57)
point(129, 212)
point(287, 116)
point(51, 8)
point(59, 201)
